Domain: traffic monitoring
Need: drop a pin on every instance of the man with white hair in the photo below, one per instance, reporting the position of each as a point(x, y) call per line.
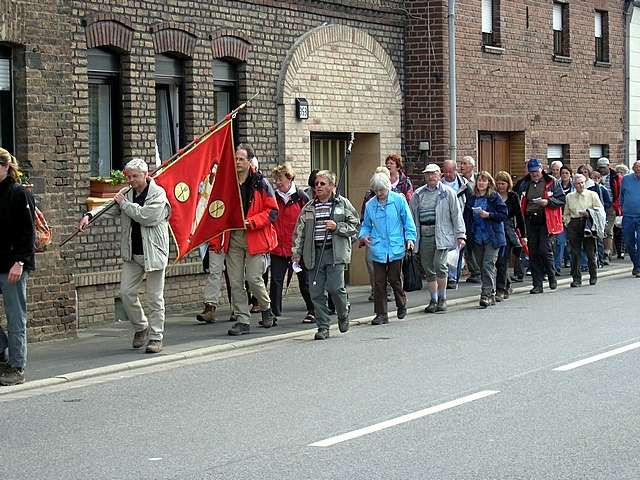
point(555, 167)
point(144, 212)
point(451, 178)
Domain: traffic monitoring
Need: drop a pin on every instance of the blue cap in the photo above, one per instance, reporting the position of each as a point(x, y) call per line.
point(533, 165)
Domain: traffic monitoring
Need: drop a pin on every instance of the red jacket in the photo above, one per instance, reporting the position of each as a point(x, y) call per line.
point(287, 217)
point(261, 216)
point(555, 196)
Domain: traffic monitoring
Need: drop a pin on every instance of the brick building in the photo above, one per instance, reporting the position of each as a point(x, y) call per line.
point(537, 78)
point(91, 84)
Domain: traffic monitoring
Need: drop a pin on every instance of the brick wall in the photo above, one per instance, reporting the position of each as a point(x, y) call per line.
point(520, 87)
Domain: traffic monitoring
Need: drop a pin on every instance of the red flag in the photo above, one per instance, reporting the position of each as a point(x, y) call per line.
point(202, 188)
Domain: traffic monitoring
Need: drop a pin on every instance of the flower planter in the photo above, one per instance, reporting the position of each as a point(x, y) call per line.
point(104, 188)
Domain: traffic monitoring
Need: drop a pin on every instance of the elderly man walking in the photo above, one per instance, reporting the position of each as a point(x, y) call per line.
point(144, 212)
point(440, 228)
point(451, 178)
point(322, 242)
point(630, 202)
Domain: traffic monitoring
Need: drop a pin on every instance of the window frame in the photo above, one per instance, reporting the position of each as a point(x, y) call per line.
point(565, 154)
point(492, 38)
point(230, 85)
point(7, 105)
point(172, 84)
point(561, 37)
point(604, 152)
point(602, 41)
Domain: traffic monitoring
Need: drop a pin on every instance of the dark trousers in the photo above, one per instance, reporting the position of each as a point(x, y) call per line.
point(279, 268)
point(540, 252)
point(577, 241)
point(503, 282)
point(392, 273)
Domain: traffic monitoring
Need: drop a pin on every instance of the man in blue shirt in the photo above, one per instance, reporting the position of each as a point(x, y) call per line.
point(630, 202)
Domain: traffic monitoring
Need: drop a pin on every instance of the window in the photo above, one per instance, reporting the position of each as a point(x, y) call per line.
point(557, 152)
point(225, 85)
point(491, 23)
point(105, 138)
point(6, 100)
point(602, 36)
point(595, 152)
point(561, 29)
point(169, 106)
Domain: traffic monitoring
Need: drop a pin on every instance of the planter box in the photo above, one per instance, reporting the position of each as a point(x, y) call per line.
point(104, 188)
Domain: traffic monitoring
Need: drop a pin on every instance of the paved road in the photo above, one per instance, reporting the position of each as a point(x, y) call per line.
point(255, 415)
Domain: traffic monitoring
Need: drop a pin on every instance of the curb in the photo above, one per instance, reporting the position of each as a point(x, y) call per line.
point(227, 347)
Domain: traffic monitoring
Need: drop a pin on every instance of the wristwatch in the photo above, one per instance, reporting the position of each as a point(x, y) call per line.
point(21, 263)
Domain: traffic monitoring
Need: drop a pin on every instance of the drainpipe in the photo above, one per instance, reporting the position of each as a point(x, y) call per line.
point(452, 81)
point(628, 13)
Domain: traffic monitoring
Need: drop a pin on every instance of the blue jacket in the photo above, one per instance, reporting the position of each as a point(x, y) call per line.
point(389, 227)
point(498, 214)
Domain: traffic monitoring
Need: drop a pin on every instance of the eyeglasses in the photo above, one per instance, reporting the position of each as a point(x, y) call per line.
point(321, 184)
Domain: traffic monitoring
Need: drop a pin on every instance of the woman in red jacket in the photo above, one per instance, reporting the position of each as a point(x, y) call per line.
point(290, 199)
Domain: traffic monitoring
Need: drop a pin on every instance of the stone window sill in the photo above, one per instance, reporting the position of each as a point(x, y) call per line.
point(561, 59)
point(95, 202)
point(602, 64)
point(493, 50)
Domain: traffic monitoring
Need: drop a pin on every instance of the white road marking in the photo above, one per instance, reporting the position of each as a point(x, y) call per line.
point(595, 358)
point(155, 459)
point(403, 419)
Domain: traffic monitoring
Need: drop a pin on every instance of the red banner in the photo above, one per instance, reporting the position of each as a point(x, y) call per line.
point(202, 188)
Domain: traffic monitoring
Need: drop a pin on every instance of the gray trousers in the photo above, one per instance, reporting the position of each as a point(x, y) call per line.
point(130, 281)
point(213, 284)
point(486, 257)
point(240, 267)
point(330, 280)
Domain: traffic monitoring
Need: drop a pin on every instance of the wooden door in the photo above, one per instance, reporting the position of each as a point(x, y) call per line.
point(494, 152)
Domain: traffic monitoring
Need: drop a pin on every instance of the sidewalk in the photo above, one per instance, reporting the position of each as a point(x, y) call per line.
point(110, 345)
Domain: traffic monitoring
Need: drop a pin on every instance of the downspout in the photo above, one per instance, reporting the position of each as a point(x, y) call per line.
point(452, 81)
point(628, 13)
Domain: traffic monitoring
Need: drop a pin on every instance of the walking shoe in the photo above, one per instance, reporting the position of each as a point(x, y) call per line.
point(484, 301)
point(239, 329)
point(371, 298)
point(267, 318)
point(432, 307)
point(635, 273)
point(343, 323)
point(492, 299)
point(553, 283)
point(12, 376)
point(309, 318)
point(452, 285)
point(575, 284)
point(441, 306)
point(401, 313)
point(507, 293)
point(140, 338)
point(500, 296)
point(380, 319)
point(321, 334)
point(535, 290)
point(593, 281)
point(154, 346)
point(208, 315)
point(516, 279)
point(474, 279)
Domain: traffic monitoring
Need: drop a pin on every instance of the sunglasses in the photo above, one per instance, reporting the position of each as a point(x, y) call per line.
point(321, 184)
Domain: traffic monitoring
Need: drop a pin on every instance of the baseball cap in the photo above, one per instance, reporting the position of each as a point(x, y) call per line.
point(432, 167)
point(603, 162)
point(533, 165)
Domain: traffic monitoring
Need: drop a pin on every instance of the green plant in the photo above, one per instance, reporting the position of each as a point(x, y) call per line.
point(117, 177)
point(23, 178)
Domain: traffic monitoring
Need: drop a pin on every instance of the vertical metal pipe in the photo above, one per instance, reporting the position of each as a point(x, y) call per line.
point(452, 81)
point(627, 83)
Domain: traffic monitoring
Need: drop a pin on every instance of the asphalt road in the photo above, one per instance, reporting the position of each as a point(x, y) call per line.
point(256, 414)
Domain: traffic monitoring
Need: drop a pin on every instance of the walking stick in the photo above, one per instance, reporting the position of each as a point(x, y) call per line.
point(345, 162)
point(232, 114)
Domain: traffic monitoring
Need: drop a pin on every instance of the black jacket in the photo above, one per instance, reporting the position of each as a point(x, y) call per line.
point(17, 242)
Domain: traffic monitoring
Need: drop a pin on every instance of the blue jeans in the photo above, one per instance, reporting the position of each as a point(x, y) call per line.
point(631, 233)
point(561, 246)
point(15, 308)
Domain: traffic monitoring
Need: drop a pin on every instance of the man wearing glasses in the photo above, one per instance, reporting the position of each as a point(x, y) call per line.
point(322, 240)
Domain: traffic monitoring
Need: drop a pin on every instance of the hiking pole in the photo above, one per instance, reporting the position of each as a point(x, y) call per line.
point(341, 180)
point(231, 115)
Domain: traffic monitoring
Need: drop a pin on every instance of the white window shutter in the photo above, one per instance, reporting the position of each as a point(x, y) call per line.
point(557, 17)
point(595, 151)
point(554, 151)
point(598, 25)
point(5, 74)
point(487, 16)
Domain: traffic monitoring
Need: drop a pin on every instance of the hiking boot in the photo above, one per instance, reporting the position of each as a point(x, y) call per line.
point(154, 346)
point(401, 313)
point(576, 284)
point(474, 279)
point(441, 306)
point(432, 307)
point(380, 319)
point(500, 295)
point(140, 338)
point(535, 290)
point(593, 281)
point(267, 318)
point(553, 283)
point(12, 376)
point(321, 334)
point(239, 329)
point(208, 315)
point(343, 323)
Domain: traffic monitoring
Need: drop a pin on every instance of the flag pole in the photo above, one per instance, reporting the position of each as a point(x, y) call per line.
point(229, 116)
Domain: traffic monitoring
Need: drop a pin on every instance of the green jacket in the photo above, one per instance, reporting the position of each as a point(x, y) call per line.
point(348, 222)
point(153, 219)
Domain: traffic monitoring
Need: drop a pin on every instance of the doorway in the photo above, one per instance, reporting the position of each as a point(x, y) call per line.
point(501, 151)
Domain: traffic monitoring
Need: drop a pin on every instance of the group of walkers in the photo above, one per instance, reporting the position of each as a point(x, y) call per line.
point(457, 217)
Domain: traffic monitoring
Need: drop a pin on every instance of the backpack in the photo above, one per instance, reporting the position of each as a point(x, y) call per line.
point(43, 234)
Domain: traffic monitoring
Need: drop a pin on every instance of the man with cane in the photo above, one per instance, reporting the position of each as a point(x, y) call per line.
point(144, 211)
point(322, 240)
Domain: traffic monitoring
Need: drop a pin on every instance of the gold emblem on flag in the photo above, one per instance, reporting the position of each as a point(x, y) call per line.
point(181, 191)
point(216, 208)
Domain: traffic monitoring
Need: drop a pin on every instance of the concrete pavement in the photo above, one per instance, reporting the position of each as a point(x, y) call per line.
point(107, 349)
